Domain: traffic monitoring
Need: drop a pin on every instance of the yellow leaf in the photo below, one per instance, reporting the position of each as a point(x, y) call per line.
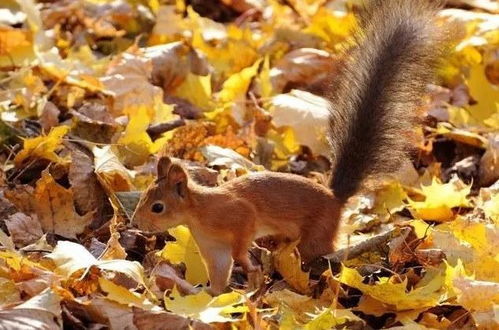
point(390, 199)
point(307, 114)
point(237, 84)
point(481, 240)
point(479, 297)
point(462, 135)
point(135, 145)
point(421, 228)
point(16, 261)
point(197, 90)
point(288, 263)
point(396, 294)
point(8, 292)
point(237, 51)
point(43, 146)
point(266, 89)
point(110, 172)
point(169, 25)
point(486, 94)
point(300, 305)
point(331, 318)
point(493, 120)
point(439, 201)
point(123, 295)
point(491, 208)
point(208, 309)
point(461, 117)
point(15, 46)
point(185, 250)
point(332, 28)
point(285, 143)
point(11, 39)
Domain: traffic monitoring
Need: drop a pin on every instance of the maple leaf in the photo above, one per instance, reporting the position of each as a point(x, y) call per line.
point(55, 209)
point(396, 294)
point(43, 146)
point(439, 201)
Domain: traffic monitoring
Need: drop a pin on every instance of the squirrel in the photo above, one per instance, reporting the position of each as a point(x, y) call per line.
point(373, 97)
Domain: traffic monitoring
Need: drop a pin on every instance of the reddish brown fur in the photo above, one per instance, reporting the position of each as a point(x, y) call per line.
point(372, 99)
point(225, 220)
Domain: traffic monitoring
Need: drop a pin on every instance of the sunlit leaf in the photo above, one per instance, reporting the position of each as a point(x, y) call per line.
point(43, 146)
point(185, 250)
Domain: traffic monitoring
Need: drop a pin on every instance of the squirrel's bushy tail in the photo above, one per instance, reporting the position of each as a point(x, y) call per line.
point(378, 89)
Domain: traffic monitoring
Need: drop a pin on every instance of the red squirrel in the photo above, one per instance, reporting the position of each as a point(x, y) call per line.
point(373, 97)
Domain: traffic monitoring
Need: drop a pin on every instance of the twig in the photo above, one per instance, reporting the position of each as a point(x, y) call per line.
point(372, 244)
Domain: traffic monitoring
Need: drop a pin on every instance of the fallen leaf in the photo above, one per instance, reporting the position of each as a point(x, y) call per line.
point(439, 200)
point(185, 250)
point(40, 312)
point(23, 229)
point(288, 263)
point(396, 294)
point(110, 172)
point(124, 296)
point(206, 308)
point(43, 146)
point(70, 257)
point(55, 209)
point(306, 114)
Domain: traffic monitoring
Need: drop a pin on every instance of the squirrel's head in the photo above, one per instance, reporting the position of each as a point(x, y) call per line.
point(165, 202)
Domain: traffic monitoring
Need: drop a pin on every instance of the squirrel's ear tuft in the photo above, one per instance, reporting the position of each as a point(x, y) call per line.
point(177, 180)
point(164, 164)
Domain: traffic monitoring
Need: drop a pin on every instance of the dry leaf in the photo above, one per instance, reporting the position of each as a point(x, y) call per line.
point(55, 209)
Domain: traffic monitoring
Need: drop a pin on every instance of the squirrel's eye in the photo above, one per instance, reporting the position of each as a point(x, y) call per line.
point(157, 207)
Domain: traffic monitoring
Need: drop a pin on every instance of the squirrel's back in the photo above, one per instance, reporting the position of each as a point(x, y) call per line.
point(375, 96)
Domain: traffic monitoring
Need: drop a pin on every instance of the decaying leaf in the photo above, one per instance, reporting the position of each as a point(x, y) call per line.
point(55, 209)
point(40, 312)
point(24, 229)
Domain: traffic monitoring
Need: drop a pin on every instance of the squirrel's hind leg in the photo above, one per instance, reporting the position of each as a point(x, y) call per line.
point(240, 252)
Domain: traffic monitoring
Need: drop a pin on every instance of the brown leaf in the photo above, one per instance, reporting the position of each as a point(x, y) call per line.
point(430, 257)
point(22, 198)
point(37, 281)
point(114, 250)
point(172, 62)
point(87, 192)
point(50, 116)
point(489, 164)
point(402, 247)
point(160, 320)
point(23, 229)
point(301, 66)
point(166, 278)
point(55, 210)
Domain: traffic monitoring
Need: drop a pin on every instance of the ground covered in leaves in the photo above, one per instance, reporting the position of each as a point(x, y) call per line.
point(91, 90)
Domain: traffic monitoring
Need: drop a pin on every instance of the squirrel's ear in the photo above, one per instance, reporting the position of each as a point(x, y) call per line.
point(164, 164)
point(177, 180)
